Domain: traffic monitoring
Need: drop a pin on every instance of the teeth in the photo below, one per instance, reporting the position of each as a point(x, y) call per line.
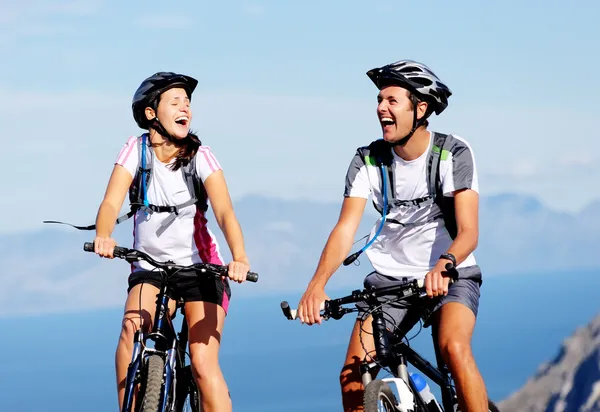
point(182, 118)
point(387, 120)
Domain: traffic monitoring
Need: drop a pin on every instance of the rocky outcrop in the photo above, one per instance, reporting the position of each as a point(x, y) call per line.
point(569, 383)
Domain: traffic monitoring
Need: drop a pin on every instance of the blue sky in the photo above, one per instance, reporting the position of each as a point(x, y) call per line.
point(283, 98)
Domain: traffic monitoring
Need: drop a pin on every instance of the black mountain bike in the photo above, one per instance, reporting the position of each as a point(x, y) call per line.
point(392, 353)
point(161, 375)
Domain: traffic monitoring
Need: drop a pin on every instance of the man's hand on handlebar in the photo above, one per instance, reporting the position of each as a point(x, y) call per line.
point(438, 279)
point(310, 305)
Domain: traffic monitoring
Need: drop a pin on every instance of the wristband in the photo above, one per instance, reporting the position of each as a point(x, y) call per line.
point(450, 257)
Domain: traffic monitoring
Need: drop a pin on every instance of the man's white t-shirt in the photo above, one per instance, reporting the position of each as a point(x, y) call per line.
point(187, 239)
point(412, 251)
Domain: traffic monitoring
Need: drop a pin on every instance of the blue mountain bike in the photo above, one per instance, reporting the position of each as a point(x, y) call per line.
point(159, 374)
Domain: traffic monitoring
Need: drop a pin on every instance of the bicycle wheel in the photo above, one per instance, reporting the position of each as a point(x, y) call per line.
point(152, 383)
point(379, 397)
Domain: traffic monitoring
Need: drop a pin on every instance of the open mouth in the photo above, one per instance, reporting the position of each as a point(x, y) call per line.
point(182, 121)
point(387, 121)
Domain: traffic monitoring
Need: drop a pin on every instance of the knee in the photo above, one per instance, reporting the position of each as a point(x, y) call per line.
point(204, 364)
point(455, 351)
point(129, 325)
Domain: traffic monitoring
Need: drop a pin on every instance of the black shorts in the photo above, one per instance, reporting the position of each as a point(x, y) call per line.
point(188, 286)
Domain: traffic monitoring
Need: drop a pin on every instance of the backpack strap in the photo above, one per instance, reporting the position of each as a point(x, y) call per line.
point(443, 146)
point(197, 196)
point(433, 163)
point(439, 151)
point(380, 156)
point(138, 191)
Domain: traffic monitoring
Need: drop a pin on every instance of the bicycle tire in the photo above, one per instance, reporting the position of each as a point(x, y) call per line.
point(377, 391)
point(153, 383)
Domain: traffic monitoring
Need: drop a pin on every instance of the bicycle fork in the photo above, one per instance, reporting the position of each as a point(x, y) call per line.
point(132, 371)
point(170, 378)
point(408, 396)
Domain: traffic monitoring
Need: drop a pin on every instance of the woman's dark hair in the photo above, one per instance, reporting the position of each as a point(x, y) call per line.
point(188, 147)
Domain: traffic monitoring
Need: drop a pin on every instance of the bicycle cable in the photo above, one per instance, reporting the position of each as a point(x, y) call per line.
point(363, 318)
point(390, 320)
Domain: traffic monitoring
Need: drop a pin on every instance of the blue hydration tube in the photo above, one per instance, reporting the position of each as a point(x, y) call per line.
point(144, 188)
point(354, 256)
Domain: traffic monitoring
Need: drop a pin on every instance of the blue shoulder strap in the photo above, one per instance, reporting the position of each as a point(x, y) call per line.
point(144, 185)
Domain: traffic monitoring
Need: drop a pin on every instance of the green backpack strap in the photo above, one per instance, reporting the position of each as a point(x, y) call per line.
point(440, 151)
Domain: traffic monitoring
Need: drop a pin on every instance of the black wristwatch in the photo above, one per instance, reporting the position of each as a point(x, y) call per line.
point(450, 257)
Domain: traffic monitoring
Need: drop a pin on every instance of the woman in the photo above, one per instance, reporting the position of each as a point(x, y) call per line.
point(161, 105)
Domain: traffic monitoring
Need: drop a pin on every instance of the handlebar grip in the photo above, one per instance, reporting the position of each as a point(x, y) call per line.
point(120, 251)
point(288, 312)
point(252, 277)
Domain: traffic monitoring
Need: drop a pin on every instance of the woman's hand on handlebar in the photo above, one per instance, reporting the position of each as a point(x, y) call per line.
point(238, 269)
point(104, 246)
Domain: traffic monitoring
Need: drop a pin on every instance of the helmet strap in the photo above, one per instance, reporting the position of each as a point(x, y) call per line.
point(416, 123)
point(156, 125)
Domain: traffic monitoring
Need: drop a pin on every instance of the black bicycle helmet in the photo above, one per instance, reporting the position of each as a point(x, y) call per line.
point(417, 78)
point(147, 94)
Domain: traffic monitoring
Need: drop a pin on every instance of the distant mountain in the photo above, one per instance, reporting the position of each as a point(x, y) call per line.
point(519, 235)
point(47, 270)
point(568, 383)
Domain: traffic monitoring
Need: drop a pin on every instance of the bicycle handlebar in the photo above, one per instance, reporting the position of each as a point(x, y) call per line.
point(132, 255)
point(332, 308)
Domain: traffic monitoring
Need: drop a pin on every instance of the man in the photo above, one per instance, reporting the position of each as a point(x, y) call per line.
point(420, 232)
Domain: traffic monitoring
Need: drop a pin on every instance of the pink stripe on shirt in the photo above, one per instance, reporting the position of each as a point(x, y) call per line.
point(207, 247)
point(210, 159)
point(126, 150)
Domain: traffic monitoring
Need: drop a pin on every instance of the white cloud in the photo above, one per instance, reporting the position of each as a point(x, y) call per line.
point(580, 159)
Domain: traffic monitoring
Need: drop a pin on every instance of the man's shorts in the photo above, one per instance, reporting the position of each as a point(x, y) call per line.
point(464, 291)
point(188, 286)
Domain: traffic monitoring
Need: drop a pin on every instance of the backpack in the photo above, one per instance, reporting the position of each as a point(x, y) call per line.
point(378, 154)
point(138, 190)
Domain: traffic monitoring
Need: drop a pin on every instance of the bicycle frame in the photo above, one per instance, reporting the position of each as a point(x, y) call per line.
point(396, 354)
point(166, 344)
